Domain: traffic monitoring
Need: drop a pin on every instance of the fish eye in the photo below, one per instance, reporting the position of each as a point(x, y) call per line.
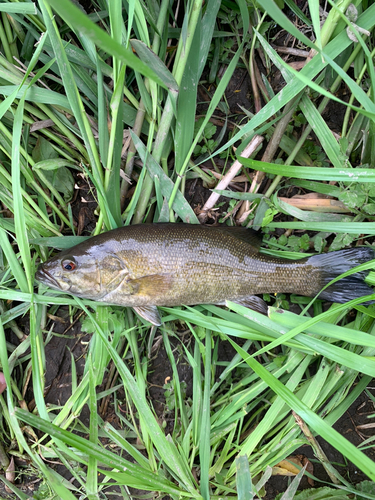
point(69, 264)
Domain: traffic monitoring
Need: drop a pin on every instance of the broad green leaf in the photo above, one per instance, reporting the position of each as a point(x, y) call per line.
point(54, 164)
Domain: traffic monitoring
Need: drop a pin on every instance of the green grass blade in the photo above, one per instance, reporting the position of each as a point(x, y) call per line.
point(329, 227)
point(310, 418)
point(273, 11)
point(78, 20)
point(24, 8)
point(204, 442)
point(342, 174)
point(155, 63)
point(180, 205)
point(135, 476)
point(290, 320)
point(315, 66)
point(315, 18)
point(245, 489)
point(167, 449)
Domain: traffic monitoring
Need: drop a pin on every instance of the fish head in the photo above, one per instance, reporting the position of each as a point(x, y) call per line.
point(87, 274)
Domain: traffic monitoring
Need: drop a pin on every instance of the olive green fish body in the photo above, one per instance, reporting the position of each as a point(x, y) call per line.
point(152, 265)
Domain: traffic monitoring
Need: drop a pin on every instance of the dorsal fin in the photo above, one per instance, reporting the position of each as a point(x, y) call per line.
point(249, 236)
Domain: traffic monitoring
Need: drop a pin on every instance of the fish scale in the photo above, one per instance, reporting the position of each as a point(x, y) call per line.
point(149, 265)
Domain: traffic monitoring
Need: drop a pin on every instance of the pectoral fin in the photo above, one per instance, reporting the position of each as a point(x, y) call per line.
point(149, 313)
point(152, 285)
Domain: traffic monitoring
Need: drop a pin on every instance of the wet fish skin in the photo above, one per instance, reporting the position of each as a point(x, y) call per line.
point(149, 265)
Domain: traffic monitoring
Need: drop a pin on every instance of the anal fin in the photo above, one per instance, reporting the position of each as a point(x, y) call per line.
point(149, 313)
point(253, 302)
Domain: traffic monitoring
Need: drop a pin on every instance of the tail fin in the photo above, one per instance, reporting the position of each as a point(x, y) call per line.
point(333, 264)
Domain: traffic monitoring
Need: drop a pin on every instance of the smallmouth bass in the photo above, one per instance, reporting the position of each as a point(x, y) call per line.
point(149, 265)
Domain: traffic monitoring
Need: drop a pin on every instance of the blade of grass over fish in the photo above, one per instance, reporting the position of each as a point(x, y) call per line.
point(180, 206)
point(310, 418)
point(310, 70)
point(167, 449)
point(58, 241)
point(233, 327)
point(78, 20)
point(313, 173)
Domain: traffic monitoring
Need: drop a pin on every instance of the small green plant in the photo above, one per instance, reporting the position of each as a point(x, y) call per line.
point(293, 242)
point(209, 144)
point(316, 153)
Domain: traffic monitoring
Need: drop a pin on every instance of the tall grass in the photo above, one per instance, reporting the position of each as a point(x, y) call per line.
point(72, 84)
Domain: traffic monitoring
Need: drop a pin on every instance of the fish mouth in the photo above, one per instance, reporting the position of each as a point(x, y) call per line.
point(43, 276)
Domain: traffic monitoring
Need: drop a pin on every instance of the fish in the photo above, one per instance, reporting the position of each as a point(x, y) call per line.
point(164, 264)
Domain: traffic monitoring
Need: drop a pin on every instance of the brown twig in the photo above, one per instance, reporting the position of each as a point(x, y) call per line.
point(229, 176)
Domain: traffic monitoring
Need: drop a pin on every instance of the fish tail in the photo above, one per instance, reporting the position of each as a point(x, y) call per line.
point(333, 264)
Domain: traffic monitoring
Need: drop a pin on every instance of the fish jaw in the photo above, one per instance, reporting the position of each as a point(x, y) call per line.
point(45, 277)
